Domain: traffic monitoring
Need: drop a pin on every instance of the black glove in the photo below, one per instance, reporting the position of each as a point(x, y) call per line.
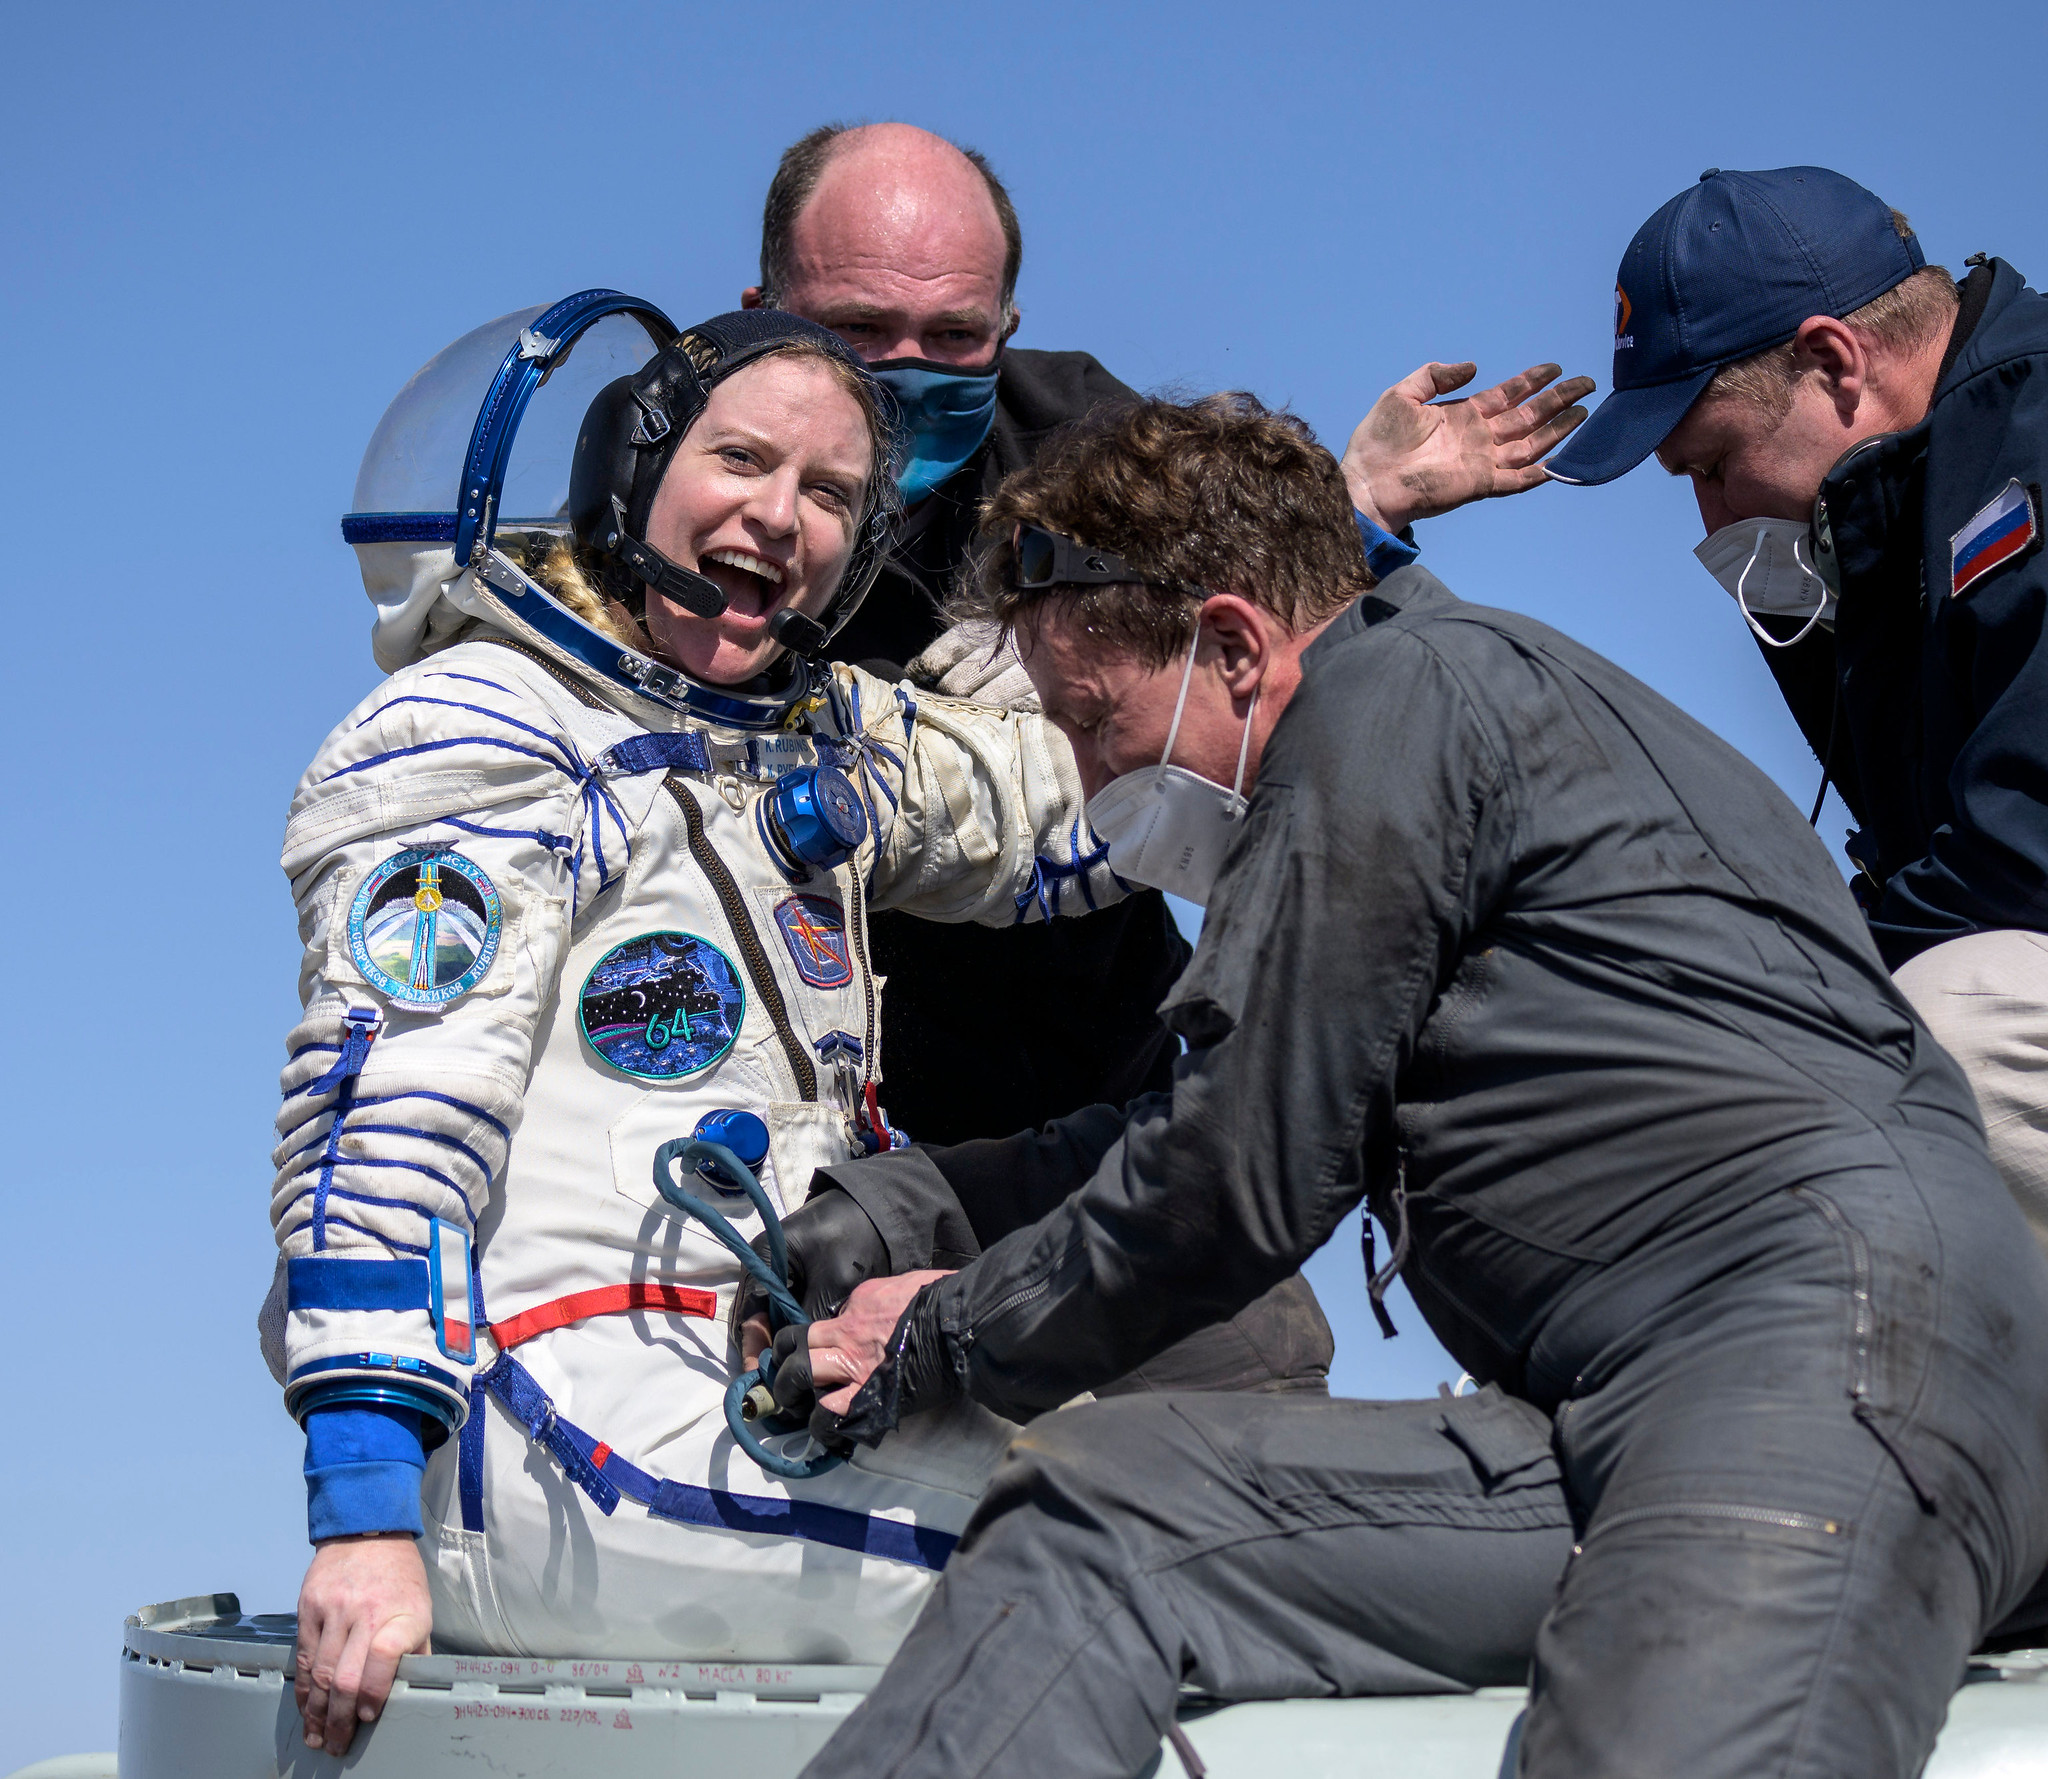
point(795, 1394)
point(833, 1245)
point(919, 1372)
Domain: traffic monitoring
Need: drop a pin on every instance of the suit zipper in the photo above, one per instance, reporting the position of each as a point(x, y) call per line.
point(971, 1337)
point(858, 905)
point(759, 970)
point(1018, 1298)
point(1723, 1510)
point(583, 693)
point(1859, 1287)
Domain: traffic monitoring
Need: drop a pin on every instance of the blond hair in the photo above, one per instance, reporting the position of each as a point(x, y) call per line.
point(1903, 319)
point(562, 568)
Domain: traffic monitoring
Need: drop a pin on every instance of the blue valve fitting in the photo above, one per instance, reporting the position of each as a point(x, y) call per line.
point(811, 820)
point(741, 1132)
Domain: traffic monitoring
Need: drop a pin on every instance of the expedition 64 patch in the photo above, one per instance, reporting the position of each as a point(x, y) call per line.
point(424, 928)
point(662, 1005)
point(815, 932)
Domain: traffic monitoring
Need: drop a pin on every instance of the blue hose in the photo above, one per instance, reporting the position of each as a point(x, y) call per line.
point(771, 1274)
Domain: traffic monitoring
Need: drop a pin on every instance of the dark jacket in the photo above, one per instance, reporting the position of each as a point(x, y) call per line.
point(990, 1032)
point(986, 1032)
point(1515, 946)
point(1938, 700)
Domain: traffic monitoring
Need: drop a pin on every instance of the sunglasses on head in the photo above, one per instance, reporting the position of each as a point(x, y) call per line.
point(1045, 559)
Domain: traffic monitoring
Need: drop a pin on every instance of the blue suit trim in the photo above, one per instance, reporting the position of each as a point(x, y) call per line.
point(325, 1282)
point(606, 1483)
point(439, 1099)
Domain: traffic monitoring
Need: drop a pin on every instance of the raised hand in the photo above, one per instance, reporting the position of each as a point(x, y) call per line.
point(1413, 456)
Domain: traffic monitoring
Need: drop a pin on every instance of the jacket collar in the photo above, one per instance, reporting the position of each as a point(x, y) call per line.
point(1406, 590)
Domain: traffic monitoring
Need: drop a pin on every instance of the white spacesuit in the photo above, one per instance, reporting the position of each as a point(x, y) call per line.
point(554, 917)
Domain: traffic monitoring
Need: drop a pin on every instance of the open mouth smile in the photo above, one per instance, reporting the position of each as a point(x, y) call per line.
point(752, 584)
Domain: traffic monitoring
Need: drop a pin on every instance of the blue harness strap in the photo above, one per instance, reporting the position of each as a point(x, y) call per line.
point(684, 750)
point(469, 1463)
point(355, 1050)
point(514, 1386)
point(605, 1477)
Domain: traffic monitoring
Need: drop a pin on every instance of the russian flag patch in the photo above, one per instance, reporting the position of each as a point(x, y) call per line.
point(2007, 526)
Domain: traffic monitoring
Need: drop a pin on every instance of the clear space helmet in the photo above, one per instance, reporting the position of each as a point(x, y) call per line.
point(483, 442)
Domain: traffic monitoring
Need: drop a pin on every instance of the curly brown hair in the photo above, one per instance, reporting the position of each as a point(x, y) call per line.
point(1219, 495)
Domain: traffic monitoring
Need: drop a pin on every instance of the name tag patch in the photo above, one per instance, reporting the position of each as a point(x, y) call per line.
point(2007, 526)
point(425, 926)
point(662, 1005)
point(814, 929)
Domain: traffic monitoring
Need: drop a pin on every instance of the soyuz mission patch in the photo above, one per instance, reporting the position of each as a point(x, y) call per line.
point(425, 926)
point(662, 1005)
point(814, 929)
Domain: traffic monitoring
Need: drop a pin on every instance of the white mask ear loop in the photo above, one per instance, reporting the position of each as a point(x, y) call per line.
point(1181, 703)
point(1244, 748)
point(1762, 635)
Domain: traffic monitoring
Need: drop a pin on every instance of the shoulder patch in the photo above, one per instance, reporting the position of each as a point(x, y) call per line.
point(662, 1005)
point(425, 926)
point(2004, 528)
point(814, 929)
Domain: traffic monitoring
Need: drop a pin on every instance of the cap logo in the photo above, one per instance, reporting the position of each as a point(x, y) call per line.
point(1623, 310)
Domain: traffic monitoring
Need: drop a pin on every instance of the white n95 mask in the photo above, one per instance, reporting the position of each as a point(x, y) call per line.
point(1767, 566)
point(1165, 826)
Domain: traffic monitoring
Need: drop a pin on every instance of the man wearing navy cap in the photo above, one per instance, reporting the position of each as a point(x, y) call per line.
point(1868, 444)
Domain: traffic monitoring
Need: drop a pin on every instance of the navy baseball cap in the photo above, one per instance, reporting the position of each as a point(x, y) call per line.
point(1726, 270)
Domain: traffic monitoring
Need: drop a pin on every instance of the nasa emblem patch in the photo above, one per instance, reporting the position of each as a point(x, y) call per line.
point(814, 929)
point(662, 1005)
point(425, 926)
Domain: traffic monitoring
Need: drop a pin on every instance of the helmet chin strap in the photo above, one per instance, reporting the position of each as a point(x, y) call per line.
point(690, 590)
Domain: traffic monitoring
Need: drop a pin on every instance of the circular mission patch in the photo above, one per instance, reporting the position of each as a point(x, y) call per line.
point(424, 928)
point(662, 1005)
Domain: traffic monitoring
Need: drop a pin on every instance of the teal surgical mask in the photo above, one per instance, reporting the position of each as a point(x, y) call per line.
point(945, 413)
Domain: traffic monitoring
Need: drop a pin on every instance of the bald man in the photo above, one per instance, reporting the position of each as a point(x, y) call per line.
point(908, 248)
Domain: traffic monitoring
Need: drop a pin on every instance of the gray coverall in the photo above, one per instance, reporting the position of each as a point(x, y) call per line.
point(1569, 989)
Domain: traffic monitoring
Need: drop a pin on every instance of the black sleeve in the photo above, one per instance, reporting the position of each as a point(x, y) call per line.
point(1004, 1183)
point(911, 1206)
point(942, 1206)
point(1371, 852)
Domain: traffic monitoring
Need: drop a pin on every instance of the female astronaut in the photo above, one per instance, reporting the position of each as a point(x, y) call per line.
point(587, 873)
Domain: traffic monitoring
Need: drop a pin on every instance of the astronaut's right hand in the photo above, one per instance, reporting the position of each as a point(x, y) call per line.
point(833, 1245)
point(364, 1603)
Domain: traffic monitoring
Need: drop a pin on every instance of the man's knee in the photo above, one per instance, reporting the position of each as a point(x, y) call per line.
point(1981, 996)
point(1985, 999)
point(1091, 1464)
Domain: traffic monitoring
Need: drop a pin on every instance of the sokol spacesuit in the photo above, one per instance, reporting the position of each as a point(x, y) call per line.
point(561, 904)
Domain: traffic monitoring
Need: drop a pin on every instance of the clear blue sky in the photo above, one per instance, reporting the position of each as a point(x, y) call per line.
point(233, 231)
